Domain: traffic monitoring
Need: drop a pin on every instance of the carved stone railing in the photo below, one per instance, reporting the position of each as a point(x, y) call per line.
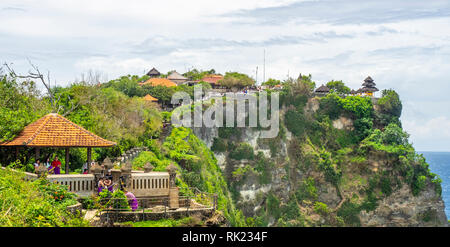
point(150, 184)
point(80, 184)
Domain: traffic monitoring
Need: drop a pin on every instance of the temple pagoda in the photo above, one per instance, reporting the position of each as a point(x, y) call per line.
point(368, 87)
point(322, 89)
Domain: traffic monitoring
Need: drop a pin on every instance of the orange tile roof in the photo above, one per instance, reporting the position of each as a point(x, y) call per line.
point(53, 130)
point(212, 79)
point(148, 97)
point(159, 82)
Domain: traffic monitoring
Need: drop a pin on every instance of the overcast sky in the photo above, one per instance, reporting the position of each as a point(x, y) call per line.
point(402, 45)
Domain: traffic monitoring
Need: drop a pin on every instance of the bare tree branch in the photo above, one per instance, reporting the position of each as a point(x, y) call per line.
point(36, 74)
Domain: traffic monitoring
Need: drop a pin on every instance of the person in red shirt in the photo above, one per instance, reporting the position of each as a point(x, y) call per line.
point(56, 164)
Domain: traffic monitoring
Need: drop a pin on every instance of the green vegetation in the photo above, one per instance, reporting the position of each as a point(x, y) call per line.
point(338, 87)
point(199, 169)
point(236, 80)
point(272, 82)
point(196, 74)
point(242, 151)
point(357, 165)
point(37, 203)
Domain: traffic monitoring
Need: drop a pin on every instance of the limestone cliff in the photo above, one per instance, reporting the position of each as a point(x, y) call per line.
point(321, 174)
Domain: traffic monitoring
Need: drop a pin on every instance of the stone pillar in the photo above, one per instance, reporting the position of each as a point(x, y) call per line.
point(126, 174)
point(107, 164)
point(173, 189)
point(148, 167)
point(173, 198)
point(97, 171)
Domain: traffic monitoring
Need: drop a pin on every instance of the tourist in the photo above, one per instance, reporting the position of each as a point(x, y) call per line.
point(101, 185)
point(48, 165)
point(36, 165)
point(131, 199)
point(108, 184)
point(56, 164)
point(85, 168)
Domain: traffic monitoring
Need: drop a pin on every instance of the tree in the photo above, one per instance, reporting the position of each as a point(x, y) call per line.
point(196, 74)
point(127, 85)
point(20, 104)
point(338, 86)
point(394, 135)
point(236, 80)
point(390, 103)
point(272, 82)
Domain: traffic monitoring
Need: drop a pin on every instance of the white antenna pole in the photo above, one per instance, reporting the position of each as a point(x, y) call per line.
point(256, 74)
point(264, 68)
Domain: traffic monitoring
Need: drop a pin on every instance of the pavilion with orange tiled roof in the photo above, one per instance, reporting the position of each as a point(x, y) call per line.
point(55, 131)
point(159, 82)
point(148, 97)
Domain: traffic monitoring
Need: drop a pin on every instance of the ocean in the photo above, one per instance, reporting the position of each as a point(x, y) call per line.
point(440, 164)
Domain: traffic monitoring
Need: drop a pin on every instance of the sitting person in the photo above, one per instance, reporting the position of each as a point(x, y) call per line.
point(131, 199)
point(101, 185)
point(108, 183)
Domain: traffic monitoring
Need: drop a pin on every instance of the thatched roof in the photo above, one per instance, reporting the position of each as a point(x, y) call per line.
point(53, 130)
point(368, 89)
point(153, 72)
point(176, 76)
point(322, 89)
point(369, 85)
point(368, 79)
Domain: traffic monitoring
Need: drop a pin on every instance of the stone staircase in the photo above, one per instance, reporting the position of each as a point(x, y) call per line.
point(130, 154)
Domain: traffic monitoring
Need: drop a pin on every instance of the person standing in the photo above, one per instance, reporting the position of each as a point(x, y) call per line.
point(56, 164)
point(48, 165)
point(85, 168)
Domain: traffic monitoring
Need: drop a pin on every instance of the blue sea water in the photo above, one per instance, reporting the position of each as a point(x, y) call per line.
point(440, 164)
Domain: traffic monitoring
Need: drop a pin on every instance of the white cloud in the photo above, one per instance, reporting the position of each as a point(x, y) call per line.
point(429, 135)
point(404, 48)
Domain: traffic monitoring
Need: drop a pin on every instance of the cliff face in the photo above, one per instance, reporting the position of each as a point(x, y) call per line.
point(403, 209)
point(317, 179)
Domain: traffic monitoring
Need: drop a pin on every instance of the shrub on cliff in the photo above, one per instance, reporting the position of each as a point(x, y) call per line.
point(242, 151)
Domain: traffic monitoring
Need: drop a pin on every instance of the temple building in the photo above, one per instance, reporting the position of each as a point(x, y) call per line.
point(154, 73)
point(177, 78)
point(368, 87)
point(322, 90)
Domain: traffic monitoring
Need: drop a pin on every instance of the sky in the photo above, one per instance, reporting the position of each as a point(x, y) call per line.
point(403, 45)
